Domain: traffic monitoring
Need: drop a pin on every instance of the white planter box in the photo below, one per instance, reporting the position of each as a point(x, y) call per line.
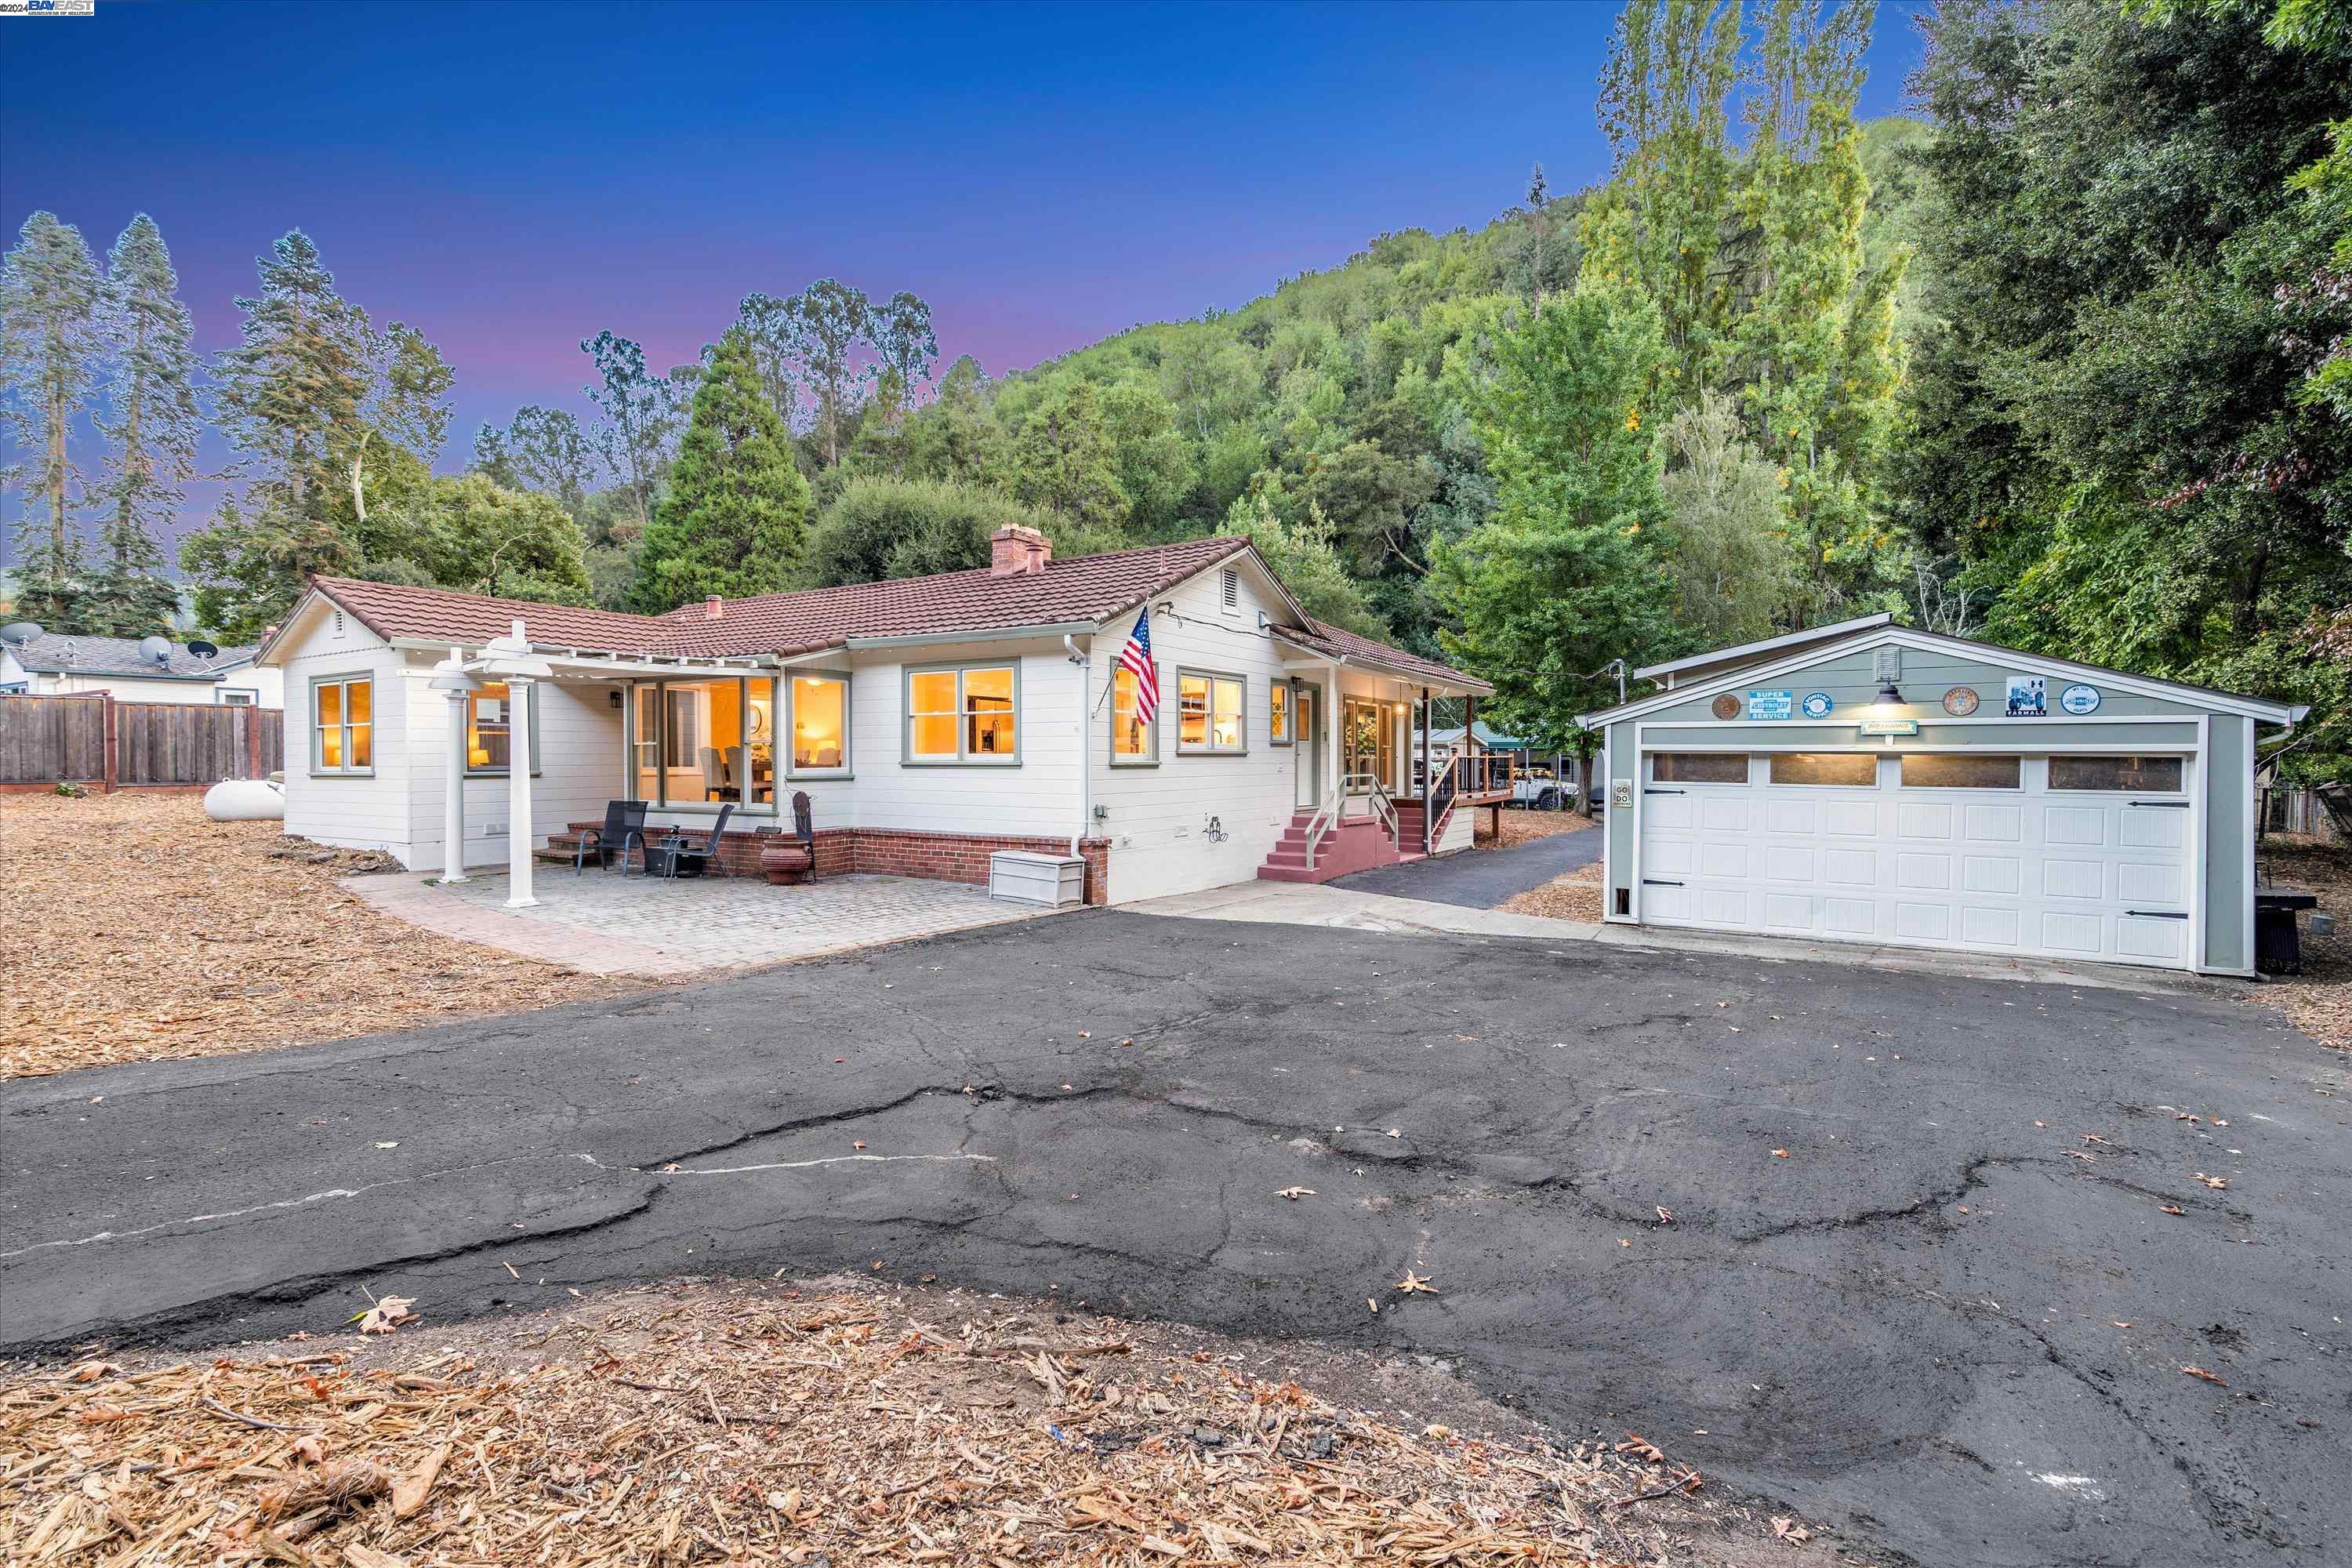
point(1025, 877)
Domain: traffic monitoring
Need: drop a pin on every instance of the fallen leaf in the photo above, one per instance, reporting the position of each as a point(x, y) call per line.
point(92, 1371)
point(1635, 1442)
point(857, 1143)
point(1665, 1215)
point(1412, 1282)
point(1375, 1306)
point(310, 1448)
point(1779, 1153)
point(394, 1144)
point(2173, 1208)
point(2118, 1323)
point(2216, 1183)
point(387, 1314)
point(1295, 1194)
point(2201, 1371)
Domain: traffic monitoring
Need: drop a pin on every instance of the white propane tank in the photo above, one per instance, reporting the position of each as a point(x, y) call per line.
point(245, 800)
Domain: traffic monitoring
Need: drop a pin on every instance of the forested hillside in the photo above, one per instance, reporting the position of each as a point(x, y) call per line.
point(2060, 359)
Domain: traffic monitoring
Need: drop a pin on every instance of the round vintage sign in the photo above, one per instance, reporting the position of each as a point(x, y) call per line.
point(1816, 705)
point(1726, 707)
point(2080, 700)
point(1960, 701)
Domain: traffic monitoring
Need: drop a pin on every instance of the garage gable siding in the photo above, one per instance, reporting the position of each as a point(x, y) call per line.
point(2125, 721)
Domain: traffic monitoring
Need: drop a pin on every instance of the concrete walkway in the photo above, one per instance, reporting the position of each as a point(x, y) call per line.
point(1331, 904)
point(606, 924)
point(1480, 879)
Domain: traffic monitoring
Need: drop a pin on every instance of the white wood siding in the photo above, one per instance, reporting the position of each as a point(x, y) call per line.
point(579, 768)
point(1159, 818)
point(356, 811)
point(1039, 796)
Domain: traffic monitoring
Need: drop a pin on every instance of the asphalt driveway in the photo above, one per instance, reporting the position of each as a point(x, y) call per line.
point(1920, 1279)
point(1481, 878)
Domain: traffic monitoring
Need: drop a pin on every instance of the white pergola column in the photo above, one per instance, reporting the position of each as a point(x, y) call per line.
point(1336, 718)
point(450, 679)
point(453, 809)
point(521, 856)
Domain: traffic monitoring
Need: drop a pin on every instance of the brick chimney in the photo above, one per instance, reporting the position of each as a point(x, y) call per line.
point(711, 608)
point(1015, 552)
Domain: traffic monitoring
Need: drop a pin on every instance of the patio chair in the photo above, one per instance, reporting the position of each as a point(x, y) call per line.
point(784, 863)
point(679, 849)
point(623, 829)
point(714, 775)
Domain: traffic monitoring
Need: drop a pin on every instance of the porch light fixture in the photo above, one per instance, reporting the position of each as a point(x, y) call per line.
point(1889, 701)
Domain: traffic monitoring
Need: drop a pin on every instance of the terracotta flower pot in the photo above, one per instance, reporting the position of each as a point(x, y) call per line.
point(783, 862)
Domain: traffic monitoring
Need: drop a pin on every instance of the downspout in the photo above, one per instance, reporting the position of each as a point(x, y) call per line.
point(1085, 661)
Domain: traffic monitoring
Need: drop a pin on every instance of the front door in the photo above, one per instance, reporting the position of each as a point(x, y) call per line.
point(1309, 748)
point(1371, 742)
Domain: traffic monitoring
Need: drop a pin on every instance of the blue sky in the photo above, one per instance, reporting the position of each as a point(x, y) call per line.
point(513, 178)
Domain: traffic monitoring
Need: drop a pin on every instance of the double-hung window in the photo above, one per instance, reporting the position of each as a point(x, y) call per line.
point(1277, 714)
point(343, 725)
point(1134, 741)
point(490, 729)
point(1210, 715)
point(968, 714)
point(819, 725)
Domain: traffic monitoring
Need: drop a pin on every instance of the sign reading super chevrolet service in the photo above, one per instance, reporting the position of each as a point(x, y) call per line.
point(1770, 704)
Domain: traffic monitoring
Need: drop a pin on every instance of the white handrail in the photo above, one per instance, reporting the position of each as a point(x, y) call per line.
point(1383, 808)
point(1318, 825)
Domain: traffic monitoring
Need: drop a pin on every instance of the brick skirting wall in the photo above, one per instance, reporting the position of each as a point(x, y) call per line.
point(909, 852)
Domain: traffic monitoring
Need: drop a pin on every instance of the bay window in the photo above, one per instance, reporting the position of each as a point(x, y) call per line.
point(342, 724)
point(962, 714)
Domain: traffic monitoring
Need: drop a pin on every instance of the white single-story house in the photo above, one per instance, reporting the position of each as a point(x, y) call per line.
point(1865, 782)
point(42, 664)
point(929, 720)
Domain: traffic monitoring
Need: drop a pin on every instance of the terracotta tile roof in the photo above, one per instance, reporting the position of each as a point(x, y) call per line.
point(1318, 636)
point(1085, 588)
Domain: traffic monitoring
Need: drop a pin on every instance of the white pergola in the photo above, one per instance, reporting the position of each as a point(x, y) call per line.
point(521, 666)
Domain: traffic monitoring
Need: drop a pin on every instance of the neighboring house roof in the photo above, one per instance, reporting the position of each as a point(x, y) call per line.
point(1489, 736)
point(56, 653)
point(1332, 642)
point(1083, 591)
point(1872, 631)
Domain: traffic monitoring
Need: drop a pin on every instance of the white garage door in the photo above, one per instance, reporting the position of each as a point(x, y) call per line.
point(2063, 857)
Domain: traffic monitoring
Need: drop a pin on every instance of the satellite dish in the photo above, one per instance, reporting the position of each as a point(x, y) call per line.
point(155, 650)
point(17, 634)
point(201, 648)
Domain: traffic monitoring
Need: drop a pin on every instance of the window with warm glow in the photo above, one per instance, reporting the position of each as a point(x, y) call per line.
point(704, 742)
point(1277, 714)
point(343, 725)
point(487, 716)
point(964, 715)
point(820, 724)
point(1209, 714)
point(1131, 740)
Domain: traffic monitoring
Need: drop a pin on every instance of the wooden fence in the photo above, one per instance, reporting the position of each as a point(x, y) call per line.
point(2305, 811)
point(95, 740)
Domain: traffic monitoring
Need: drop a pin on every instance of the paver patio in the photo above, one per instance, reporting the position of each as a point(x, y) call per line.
point(605, 923)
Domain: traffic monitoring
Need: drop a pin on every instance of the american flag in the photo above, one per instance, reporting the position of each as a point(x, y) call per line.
point(1136, 659)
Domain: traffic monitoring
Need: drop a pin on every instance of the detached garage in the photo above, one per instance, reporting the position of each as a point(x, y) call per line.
point(1868, 783)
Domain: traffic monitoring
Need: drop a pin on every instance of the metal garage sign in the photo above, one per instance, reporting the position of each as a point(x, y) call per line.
point(2029, 697)
point(2080, 700)
point(1817, 705)
point(1771, 704)
point(1887, 729)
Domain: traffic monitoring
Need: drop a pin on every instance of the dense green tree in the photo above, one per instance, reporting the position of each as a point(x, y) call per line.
point(1066, 464)
point(470, 533)
point(50, 293)
point(956, 437)
point(829, 319)
point(772, 327)
point(734, 521)
point(643, 414)
point(404, 407)
point(879, 528)
point(2117, 438)
point(1302, 554)
point(151, 436)
point(1154, 465)
point(1569, 574)
point(290, 393)
point(905, 348)
point(248, 564)
point(1735, 577)
point(544, 449)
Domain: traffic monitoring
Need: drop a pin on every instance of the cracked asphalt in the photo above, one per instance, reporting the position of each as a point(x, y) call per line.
point(1952, 1318)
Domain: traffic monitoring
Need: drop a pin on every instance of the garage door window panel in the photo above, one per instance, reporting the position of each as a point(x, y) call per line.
point(1963, 770)
point(1699, 767)
point(2138, 775)
point(1851, 770)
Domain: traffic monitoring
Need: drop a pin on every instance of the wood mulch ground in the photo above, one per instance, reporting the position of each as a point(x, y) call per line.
point(1520, 826)
point(139, 929)
point(1574, 897)
point(844, 1422)
point(2319, 1000)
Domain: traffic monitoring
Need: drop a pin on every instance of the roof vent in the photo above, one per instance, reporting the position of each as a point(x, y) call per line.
point(155, 650)
point(17, 634)
point(713, 608)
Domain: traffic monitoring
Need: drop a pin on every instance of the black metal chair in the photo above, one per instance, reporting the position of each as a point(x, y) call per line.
point(679, 849)
point(624, 828)
point(778, 863)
